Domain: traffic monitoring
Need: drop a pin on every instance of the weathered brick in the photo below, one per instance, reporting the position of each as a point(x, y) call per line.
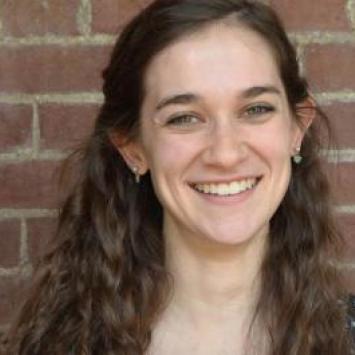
point(108, 16)
point(52, 68)
point(28, 17)
point(330, 67)
point(39, 232)
point(342, 118)
point(309, 15)
point(65, 126)
point(30, 184)
point(11, 297)
point(9, 243)
point(341, 176)
point(15, 126)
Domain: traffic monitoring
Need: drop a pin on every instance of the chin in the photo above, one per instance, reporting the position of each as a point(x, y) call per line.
point(229, 239)
point(234, 236)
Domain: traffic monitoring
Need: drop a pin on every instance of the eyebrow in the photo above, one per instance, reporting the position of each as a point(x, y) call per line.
point(178, 99)
point(187, 98)
point(260, 90)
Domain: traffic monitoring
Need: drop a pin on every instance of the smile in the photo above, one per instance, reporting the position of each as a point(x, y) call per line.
point(226, 189)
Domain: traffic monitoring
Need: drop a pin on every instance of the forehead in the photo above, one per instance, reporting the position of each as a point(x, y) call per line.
point(218, 56)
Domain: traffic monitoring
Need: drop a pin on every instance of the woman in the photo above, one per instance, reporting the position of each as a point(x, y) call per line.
point(199, 221)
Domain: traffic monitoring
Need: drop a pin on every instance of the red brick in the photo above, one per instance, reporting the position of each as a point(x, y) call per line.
point(330, 67)
point(346, 224)
point(15, 126)
point(11, 297)
point(65, 126)
point(9, 243)
point(39, 232)
point(310, 15)
point(28, 17)
point(52, 68)
point(342, 117)
point(30, 184)
point(108, 16)
point(342, 181)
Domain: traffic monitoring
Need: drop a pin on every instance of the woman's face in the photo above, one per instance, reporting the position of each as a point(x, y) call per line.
point(217, 135)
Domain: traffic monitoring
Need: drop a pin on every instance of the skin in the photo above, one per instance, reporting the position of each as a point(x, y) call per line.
point(214, 245)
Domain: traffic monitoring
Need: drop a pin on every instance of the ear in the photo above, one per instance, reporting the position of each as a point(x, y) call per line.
point(132, 152)
point(305, 114)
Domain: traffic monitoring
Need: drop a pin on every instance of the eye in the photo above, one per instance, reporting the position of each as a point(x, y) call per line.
point(259, 109)
point(183, 120)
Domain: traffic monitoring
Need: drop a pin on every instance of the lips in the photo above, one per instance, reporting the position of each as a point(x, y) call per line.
point(226, 189)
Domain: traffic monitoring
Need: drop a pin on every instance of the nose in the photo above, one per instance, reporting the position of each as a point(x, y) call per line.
point(226, 146)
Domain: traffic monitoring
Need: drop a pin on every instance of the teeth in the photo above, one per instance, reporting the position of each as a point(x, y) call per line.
point(232, 188)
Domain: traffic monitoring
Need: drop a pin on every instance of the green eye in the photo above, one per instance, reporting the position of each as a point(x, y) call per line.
point(257, 110)
point(183, 120)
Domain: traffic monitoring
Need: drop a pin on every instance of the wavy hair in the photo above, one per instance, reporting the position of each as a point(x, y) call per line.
point(103, 283)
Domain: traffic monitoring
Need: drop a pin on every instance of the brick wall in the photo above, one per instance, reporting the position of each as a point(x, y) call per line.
point(51, 56)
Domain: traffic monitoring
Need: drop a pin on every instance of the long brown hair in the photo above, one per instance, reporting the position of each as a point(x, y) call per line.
point(103, 283)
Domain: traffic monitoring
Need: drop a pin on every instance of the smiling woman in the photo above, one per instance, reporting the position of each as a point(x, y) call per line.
point(200, 221)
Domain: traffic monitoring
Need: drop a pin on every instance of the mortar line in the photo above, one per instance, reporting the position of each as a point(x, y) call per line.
point(8, 213)
point(350, 7)
point(84, 18)
point(69, 97)
point(301, 58)
point(339, 155)
point(36, 134)
point(335, 96)
point(65, 41)
point(18, 271)
point(8, 272)
point(345, 209)
point(345, 266)
point(24, 241)
point(322, 37)
point(23, 156)
point(1, 30)
point(97, 97)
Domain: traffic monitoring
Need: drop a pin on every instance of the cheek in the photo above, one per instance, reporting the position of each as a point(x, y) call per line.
point(167, 161)
point(165, 156)
point(276, 140)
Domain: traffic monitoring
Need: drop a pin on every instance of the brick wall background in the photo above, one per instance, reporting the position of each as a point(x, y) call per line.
point(51, 56)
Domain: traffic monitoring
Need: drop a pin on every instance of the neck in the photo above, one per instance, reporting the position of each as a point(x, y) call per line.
point(214, 281)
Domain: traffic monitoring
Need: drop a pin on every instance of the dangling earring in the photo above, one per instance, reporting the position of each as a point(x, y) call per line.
point(137, 176)
point(297, 158)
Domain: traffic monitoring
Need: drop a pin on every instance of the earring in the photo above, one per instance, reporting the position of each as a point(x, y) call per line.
point(297, 158)
point(137, 176)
